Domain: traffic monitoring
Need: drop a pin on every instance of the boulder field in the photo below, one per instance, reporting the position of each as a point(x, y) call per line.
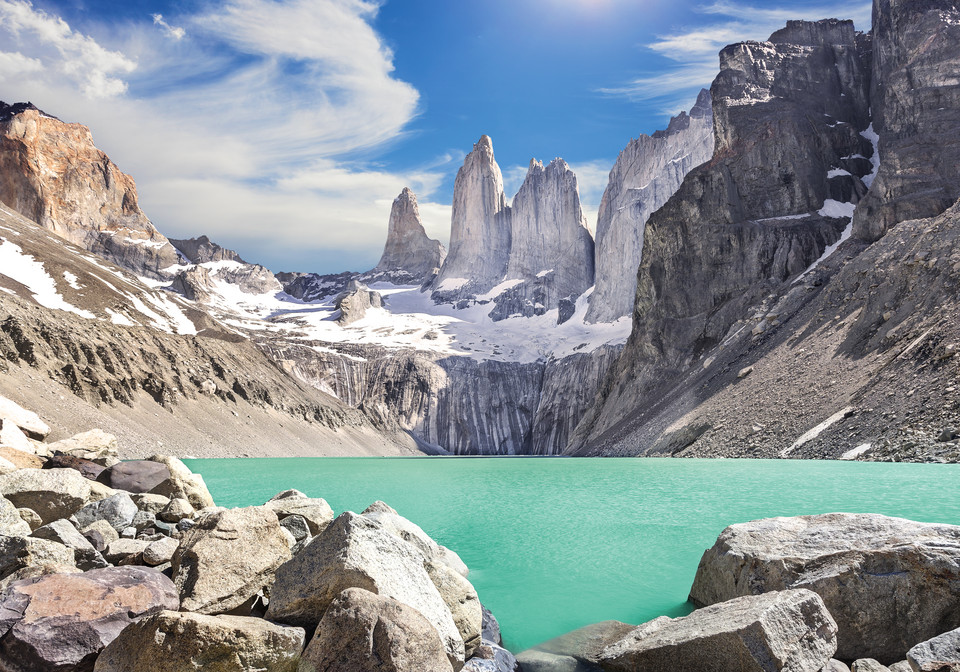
point(109, 566)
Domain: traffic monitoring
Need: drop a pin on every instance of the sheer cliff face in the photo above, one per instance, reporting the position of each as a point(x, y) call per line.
point(480, 226)
point(408, 249)
point(52, 173)
point(538, 254)
point(787, 115)
point(916, 108)
point(647, 173)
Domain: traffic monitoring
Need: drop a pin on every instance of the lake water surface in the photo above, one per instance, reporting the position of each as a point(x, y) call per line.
point(557, 543)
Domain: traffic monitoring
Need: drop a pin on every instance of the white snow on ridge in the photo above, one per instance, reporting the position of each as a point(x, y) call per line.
point(30, 273)
point(874, 139)
point(451, 284)
point(499, 289)
point(832, 208)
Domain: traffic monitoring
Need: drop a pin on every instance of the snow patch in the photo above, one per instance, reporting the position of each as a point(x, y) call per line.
point(836, 209)
point(818, 430)
point(854, 453)
point(781, 217)
point(451, 284)
point(29, 272)
point(499, 289)
point(71, 279)
point(874, 139)
point(838, 172)
point(120, 318)
point(544, 273)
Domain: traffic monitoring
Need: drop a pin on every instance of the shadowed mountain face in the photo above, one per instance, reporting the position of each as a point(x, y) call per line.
point(730, 283)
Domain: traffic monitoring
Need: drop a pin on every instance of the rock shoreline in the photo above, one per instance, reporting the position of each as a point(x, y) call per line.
point(109, 566)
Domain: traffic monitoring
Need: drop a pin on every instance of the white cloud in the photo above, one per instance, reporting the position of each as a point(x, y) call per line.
point(173, 32)
point(15, 64)
point(96, 70)
point(695, 50)
point(244, 130)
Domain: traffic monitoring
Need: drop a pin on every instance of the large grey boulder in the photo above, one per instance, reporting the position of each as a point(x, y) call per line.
point(227, 557)
point(172, 641)
point(53, 493)
point(63, 532)
point(314, 510)
point(28, 421)
point(365, 632)
point(400, 527)
point(118, 510)
point(890, 583)
point(790, 631)
point(462, 601)
point(937, 654)
point(356, 552)
point(355, 301)
point(19, 552)
point(60, 622)
point(11, 522)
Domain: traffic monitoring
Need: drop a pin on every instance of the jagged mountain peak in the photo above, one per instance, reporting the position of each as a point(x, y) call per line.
point(10, 110)
point(409, 255)
point(202, 250)
point(484, 144)
point(816, 33)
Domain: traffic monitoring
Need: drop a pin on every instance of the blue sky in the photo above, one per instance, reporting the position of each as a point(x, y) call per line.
point(285, 128)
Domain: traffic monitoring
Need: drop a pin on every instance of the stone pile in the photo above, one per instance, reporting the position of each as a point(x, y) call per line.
point(130, 566)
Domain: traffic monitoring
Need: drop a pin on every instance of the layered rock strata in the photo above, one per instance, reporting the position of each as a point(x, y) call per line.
point(647, 173)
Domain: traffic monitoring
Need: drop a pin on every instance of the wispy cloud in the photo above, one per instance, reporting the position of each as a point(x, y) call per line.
point(693, 52)
point(173, 32)
point(258, 116)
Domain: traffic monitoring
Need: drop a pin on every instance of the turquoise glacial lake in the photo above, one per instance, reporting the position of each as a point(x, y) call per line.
point(557, 543)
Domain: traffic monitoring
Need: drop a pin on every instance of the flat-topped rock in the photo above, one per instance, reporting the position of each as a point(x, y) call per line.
point(890, 583)
point(227, 557)
point(28, 421)
point(53, 493)
point(62, 621)
point(172, 641)
point(789, 630)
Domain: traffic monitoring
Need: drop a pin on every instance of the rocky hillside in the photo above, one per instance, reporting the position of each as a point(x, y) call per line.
point(78, 332)
point(755, 333)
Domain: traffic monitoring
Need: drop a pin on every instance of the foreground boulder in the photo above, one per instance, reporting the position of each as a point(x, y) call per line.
point(11, 522)
point(227, 558)
point(17, 553)
point(62, 621)
point(20, 458)
point(490, 657)
point(939, 654)
point(116, 510)
point(789, 630)
point(28, 421)
point(88, 469)
point(135, 476)
point(397, 525)
point(365, 632)
point(890, 583)
point(96, 446)
point(355, 552)
point(182, 483)
point(53, 493)
point(462, 601)
point(314, 510)
point(172, 641)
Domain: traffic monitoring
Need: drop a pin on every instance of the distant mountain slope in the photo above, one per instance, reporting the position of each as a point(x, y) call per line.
point(149, 365)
